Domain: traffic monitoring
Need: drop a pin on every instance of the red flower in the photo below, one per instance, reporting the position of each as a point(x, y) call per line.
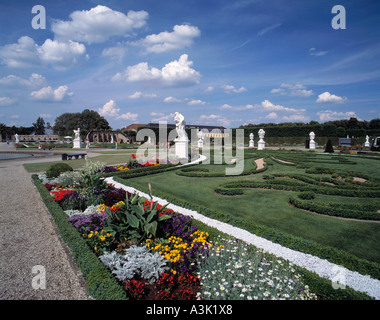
point(135, 288)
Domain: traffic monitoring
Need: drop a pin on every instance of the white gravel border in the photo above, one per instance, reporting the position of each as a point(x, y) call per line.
point(320, 266)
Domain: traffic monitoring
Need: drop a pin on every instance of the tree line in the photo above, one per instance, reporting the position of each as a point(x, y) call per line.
point(338, 128)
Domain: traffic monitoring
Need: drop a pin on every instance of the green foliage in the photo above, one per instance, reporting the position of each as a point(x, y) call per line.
point(56, 169)
point(306, 195)
point(39, 126)
point(86, 120)
point(363, 212)
point(134, 220)
point(329, 147)
point(92, 174)
point(100, 283)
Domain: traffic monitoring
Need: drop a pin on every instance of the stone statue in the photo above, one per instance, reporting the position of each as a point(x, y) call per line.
point(77, 134)
point(200, 138)
point(261, 143)
point(77, 143)
point(251, 142)
point(180, 126)
point(17, 140)
point(312, 142)
point(366, 144)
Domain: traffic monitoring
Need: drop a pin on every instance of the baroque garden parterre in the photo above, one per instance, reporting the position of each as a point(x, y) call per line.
point(309, 202)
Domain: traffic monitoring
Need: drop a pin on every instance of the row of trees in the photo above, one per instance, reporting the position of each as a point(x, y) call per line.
point(64, 125)
point(338, 128)
point(88, 120)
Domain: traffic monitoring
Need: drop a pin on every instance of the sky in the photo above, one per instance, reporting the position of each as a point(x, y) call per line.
point(218, 62)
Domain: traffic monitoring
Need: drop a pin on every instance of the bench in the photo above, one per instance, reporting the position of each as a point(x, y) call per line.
point(66, 156)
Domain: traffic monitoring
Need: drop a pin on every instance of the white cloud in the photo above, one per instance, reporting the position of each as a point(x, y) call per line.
point(22, 54)
point(296, 117)
point(267, 29)
point(278, 91)
point(329, 115)
point(115, 53)
point(272, 115)
point(314, 52)
point(210, 116)
point(162, 117)
point(98, 24)
point(35, 80)
point(50, 95)
point(328, 97)
point(293, 90)
point(62, 55)
point(196, 102)
point(269, 106)
point(6, 101)
point(230, 88)
point(209, 89)
point(182, 36)
point(175, 73)
point(171, 100)
point(26, 53)
point(110, 110)
point(236, 108)
point(226, 106)
point(139, 94)
point(128, 116)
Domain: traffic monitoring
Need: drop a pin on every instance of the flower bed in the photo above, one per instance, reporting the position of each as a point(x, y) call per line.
point(156, 253)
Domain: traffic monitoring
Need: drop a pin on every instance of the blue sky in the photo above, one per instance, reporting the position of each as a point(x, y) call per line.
point(217, 62)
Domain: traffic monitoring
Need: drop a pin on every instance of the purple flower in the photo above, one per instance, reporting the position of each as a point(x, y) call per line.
point(86, 223)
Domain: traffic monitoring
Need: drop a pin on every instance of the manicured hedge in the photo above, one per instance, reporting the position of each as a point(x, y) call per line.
point(334, 210)
point(290, 185)
point(101, 284)
point(204, 173)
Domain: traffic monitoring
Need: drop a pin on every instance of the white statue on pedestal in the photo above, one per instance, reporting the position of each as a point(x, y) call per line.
point(312, 142)
point(17, 140)
point(366, 144)
point(77, 143)
point(251, 142)
point(200, 137)
point(261, 143)
point(182, 141)
point(180, 126)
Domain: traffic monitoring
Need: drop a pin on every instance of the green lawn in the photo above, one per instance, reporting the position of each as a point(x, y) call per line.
point(271, 208)
point(80, 163)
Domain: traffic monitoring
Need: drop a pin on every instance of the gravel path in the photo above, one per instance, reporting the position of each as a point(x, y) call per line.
point(320, 266)
point(29, 238)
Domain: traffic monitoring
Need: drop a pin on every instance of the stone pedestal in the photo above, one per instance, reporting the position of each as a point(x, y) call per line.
point(77, 144)
point(182, 149)
point(312, 145)
point(251, 143)
point(366, 144)
point(261, 145)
